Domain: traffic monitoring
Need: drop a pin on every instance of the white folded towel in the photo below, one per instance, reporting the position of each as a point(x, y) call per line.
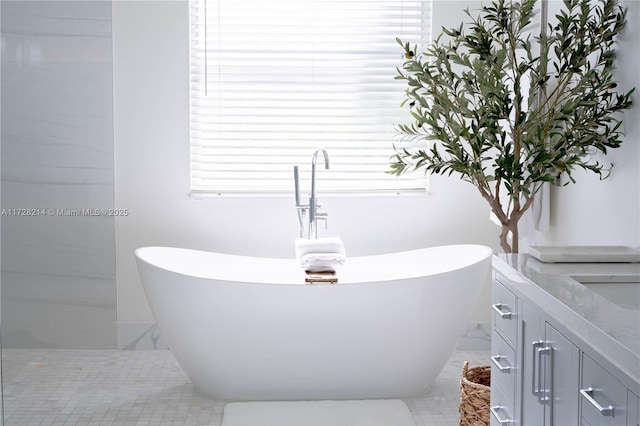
point(321, 262)
point(320, 254)
point(319, 245)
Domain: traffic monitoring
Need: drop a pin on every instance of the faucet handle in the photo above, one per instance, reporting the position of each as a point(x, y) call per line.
point(324, 216)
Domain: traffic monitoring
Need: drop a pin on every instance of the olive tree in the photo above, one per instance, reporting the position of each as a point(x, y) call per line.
point(509, 108)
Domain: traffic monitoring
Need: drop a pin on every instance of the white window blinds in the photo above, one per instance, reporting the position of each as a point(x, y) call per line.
point(273, 80)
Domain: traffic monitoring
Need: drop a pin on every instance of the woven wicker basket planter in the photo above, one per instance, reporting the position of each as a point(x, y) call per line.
point(475, 395)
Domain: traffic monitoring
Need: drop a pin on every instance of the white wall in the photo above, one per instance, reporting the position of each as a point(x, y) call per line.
point(152, 174)
point(150, 42)
point(606, 212)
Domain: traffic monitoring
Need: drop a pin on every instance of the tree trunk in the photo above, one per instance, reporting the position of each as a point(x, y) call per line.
point(515, 237)
point(510, 227)
point(504, 242)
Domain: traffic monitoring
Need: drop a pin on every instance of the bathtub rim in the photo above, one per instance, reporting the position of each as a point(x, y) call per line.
point(285, 271)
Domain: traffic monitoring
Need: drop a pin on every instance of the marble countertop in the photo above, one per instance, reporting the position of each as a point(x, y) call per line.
point(608, 328)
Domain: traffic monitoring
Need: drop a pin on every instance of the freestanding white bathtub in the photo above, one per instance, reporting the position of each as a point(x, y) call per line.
point(249, 328)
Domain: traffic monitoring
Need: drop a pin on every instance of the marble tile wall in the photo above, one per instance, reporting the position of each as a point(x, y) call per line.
point(58, 258)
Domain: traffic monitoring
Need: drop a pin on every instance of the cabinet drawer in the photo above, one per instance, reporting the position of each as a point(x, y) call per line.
point(503, 372)
point(502, 408)
point(504, 309)
point(603, 399)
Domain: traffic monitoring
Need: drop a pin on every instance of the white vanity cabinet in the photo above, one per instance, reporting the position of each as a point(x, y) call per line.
point(534, 374)
point(549, 371)
point(544, 374)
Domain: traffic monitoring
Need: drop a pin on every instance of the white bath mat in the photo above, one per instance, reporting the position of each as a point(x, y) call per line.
point(387, 412)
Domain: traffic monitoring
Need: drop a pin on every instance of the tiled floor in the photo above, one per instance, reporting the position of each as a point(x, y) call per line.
point(95, 387)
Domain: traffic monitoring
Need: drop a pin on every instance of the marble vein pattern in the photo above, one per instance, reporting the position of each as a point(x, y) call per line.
point(140, 335)
point(476, 336)
point(58, 265)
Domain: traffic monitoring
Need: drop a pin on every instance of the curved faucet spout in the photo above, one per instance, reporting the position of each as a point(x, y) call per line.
point(324, 154)
point(312, 200)
point(313, 169)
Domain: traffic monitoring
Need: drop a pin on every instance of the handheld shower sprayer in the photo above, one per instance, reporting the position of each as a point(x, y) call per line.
point(299, 208)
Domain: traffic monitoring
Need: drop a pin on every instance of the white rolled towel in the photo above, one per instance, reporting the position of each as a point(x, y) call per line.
point(328, 245)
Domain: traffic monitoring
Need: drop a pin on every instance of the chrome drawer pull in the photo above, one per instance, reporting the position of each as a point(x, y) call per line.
point(535, 390)
point(587, 394)
point(498, 308)
point(496, 361)
point(494, 411)
point(542, 388)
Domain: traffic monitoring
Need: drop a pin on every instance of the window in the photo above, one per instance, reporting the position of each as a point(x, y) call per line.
point(271, 81)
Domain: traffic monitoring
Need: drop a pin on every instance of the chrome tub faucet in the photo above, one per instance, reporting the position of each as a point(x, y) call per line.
point(313, 208)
